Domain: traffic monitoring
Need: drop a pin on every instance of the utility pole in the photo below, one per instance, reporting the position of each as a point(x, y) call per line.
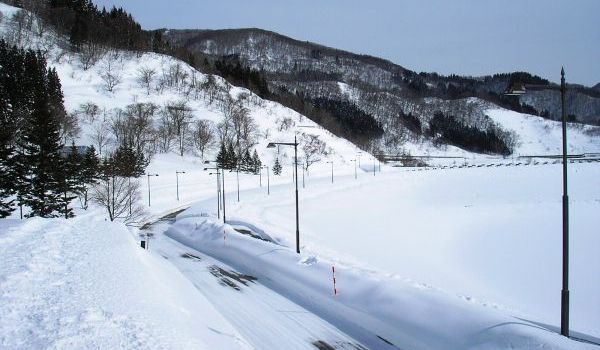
point(177, 179)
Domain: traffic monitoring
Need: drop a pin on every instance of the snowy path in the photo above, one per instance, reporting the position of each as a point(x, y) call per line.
point(85, 284)
point(266, 319)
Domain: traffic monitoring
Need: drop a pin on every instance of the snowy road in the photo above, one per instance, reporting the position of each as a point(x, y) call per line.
point(266, 319)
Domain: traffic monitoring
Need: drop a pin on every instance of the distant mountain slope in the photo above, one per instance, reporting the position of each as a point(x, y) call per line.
point(378, 87)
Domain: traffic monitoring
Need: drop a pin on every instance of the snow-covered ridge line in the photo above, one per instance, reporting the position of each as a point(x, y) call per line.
point(86, 84)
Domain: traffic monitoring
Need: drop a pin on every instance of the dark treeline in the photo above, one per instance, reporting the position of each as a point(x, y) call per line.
point(37, 170)
point(85, 23)
point(34, 171)
point(452, 131)
point(456, 87)
point(233, 71)
point(228, 159)
point(351, 122)
point(92, 30)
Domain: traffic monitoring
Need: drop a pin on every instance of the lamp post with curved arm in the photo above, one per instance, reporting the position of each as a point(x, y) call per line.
point(149, 175)
point(355, 175)
point(518, 89)
point(218, 173)
point(223, 183)
point(177, 180)
point(295, 144)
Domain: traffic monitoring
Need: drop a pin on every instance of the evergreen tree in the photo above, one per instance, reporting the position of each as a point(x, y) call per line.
point(7, 151)
point(231, 158)
point(128, 162)
point(246, 162)
point(222, 157)
point(90, 171)
point(257, 164)
point(31, 103)
point(39, 161)
point(277, 167)
point(71, 179)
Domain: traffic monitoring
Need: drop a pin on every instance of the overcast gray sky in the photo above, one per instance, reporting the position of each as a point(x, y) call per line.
point(467, 37)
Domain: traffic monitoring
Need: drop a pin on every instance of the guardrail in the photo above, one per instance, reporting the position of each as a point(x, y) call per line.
point(511, 164)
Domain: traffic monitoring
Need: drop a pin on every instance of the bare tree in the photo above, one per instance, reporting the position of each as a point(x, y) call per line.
point(101, 136)
point(203, 136)
point(211, 88)
point(90, 53)
point(146, 78)
point(68, 126)
point(118, 125)
point(17, 29)
point(313, 149)
point(120, 196)
point(237, 125)
point(139, 124)
point(165, 134)
point(179, 115)
point(111, 75)
point(285, 124)
point(89, 110)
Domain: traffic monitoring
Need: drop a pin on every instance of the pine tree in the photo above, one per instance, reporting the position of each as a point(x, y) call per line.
point(90, 172)
point(277, 167)
point(7, 152)
point(222, 157)
point(257, 164)
point(39, 161)
point(128, 162)
point(232, 158)
point(71, 179)
point(246, 162)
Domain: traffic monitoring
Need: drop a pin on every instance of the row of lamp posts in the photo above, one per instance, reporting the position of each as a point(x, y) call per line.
point(513, 90)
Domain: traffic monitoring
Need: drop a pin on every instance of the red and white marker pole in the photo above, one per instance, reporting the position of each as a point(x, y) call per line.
point(334, 287)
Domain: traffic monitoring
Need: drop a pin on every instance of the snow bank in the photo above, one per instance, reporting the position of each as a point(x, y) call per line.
point(379, 315)
point(85, 284)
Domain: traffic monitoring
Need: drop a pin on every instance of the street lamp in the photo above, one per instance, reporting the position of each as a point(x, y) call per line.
point(303, 165)
point(268, 181)
point(222, 181)
point(521, 89)
point(149, 186)
point(218, 189)
point(355, 175)
point(238, 181)
point(331, 162)
point(177, 179)
point(295, 144)
point(374, 165)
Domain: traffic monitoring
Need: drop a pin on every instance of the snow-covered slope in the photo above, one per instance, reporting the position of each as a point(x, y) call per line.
point(86, 284)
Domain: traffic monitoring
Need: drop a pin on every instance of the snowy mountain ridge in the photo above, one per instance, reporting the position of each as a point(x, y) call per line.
point(382, 89)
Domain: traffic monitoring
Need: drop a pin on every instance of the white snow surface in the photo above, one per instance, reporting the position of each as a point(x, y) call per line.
point(457, 251)
point(86, 284)
point(445, 259)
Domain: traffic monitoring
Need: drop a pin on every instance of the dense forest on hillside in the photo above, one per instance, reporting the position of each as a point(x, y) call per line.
point(32, 115)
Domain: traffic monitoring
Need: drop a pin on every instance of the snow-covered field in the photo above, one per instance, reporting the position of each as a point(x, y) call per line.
point(490, 237)
point(436, 259)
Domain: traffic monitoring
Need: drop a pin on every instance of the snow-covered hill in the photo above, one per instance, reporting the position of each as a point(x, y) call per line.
point(381, 88)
